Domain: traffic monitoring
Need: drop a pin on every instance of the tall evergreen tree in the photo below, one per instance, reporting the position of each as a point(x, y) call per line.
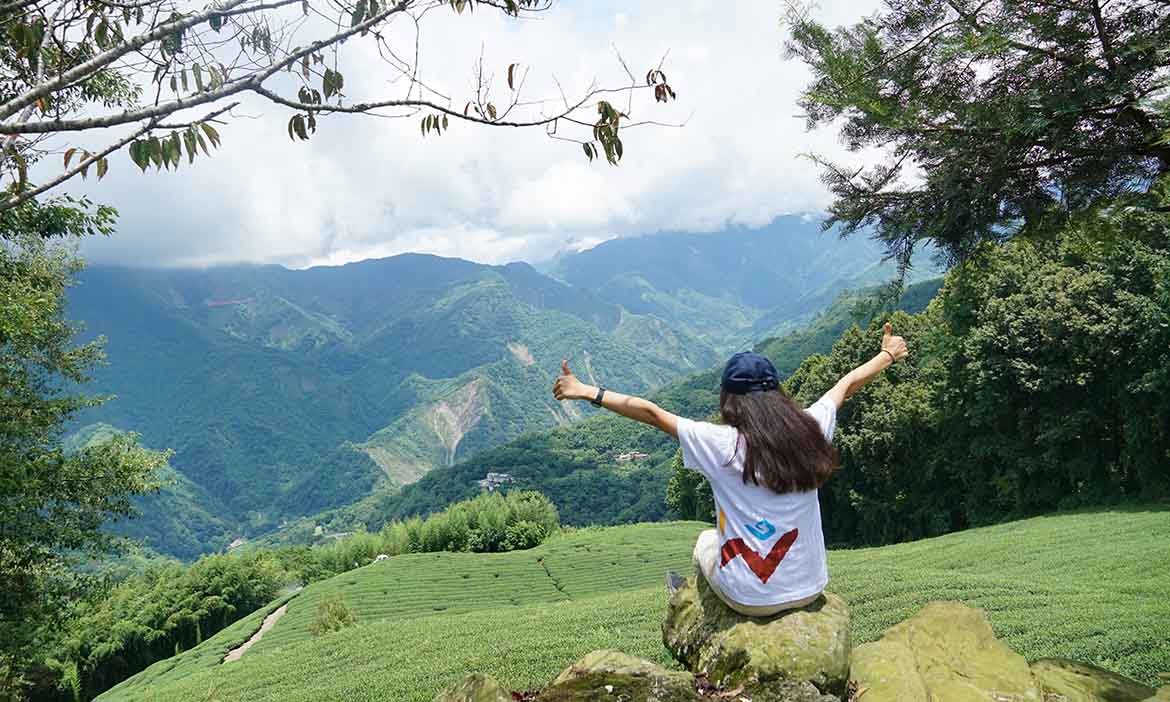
point(995, 116)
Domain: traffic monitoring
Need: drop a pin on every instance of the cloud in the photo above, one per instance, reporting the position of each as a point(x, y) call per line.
point(365, 187)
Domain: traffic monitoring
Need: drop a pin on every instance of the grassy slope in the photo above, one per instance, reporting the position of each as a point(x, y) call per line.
point(1091, 586)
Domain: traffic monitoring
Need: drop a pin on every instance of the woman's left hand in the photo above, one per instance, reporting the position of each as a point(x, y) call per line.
point(567, 387)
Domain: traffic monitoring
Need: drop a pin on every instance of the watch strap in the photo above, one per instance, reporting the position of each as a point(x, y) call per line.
point(596, 402)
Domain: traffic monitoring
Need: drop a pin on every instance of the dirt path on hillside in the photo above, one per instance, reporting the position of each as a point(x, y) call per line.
point(270, 621)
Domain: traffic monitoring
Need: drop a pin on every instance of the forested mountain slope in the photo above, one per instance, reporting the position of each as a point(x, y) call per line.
point(287, 392)
point(577, 466)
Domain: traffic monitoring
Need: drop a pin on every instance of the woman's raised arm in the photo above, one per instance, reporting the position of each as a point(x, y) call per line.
point(893, 349)
point(567, 387)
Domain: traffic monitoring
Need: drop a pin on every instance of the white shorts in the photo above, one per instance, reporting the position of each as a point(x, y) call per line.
point(706, 558)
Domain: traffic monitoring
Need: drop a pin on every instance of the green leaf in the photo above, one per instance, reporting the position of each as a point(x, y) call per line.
point(154, 151)
point(102, 167)
point(359, 13)
point(511, 75)
point(444, 123)
point(189, 143)
point(212, 135)
point(197, 72)
point(215, 22)
point(140, 154)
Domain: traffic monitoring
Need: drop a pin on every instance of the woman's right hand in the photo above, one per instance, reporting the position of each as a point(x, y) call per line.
point(567, 387)
point(894, 345)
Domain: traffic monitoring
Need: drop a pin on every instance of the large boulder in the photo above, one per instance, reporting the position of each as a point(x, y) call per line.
point(804, 645)
point(476, 687)
point(945, 652)
point(607, 676)
point(1066, 681)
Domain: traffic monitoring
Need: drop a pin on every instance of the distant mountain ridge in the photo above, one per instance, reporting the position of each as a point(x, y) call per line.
point(288, 392)
point(733, 287)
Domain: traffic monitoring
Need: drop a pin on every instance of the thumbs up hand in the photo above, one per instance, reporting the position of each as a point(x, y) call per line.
point(894, 345)
point(567, 387)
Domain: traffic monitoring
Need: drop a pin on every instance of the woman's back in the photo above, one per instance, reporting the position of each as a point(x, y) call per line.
point(771, 545)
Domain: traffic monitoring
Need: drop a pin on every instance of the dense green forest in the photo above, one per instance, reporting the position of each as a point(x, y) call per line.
point(576, 466)
point(1038, 382)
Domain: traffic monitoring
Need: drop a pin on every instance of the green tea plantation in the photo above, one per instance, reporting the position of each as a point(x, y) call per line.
point(1094, 586)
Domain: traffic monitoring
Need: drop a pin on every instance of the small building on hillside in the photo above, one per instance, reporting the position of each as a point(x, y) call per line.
point(494, 481)
point(632, 456)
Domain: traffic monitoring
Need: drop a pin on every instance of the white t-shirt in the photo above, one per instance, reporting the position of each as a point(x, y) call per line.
point(772, 547)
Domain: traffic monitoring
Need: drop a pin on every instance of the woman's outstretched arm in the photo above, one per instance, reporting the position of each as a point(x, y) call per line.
point(893, 349)
point(567, 387)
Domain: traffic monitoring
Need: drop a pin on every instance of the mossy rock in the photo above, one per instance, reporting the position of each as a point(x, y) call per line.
point(606, 676)
point(1066, 681)
point(476, 687)
point(947, 651)
point(809, 644)
point(784, 691)
point(1162, 695)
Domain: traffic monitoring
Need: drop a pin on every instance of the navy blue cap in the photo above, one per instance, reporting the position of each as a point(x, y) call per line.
point(749, 372)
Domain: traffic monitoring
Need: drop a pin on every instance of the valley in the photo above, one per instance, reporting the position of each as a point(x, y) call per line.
point(285, 393)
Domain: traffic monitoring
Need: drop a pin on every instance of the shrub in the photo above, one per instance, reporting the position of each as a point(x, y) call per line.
point(522, 535)
point(332, 615)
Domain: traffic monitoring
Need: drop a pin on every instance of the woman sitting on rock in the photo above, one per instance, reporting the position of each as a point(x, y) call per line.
point(765, 464)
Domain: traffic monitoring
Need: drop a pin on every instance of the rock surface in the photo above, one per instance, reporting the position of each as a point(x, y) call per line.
point(809, 644)
point(608, 676)
point(784, 691)
point(945, 652)
point(476, 687)
point(1066, 681)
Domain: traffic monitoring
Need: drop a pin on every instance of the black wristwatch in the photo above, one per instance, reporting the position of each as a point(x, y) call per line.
point(596, 402)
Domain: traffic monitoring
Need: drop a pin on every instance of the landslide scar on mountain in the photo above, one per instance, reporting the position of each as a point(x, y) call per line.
point(400, 469)
point(428, 436)
point(453, 417)
point(521, 352)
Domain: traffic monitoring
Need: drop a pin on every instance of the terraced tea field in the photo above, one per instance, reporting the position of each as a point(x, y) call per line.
point(1092, 586)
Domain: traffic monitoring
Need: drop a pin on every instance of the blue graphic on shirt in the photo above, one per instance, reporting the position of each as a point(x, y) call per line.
point(762, 529)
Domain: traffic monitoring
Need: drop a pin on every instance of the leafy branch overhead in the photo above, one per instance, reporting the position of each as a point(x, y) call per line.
point(996, 117)
point(163, 77)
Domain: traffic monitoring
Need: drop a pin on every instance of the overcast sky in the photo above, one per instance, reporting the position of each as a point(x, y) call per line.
point(366, 187)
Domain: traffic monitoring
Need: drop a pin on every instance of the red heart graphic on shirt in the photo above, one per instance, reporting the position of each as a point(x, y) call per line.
point(762, 567)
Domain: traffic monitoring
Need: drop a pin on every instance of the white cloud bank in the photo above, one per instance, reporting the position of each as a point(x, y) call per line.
point(366, 187)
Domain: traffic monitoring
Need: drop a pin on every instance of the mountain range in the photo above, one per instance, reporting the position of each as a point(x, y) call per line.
point(285, 393)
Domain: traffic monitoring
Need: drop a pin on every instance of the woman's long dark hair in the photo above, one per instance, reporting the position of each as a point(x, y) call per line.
point(785, 449)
